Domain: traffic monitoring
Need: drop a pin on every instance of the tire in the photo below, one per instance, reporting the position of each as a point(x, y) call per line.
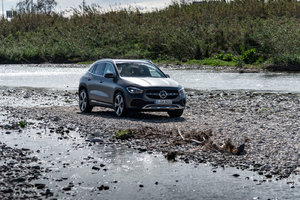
point(84, 104)
point(175, 113)
point(120, 105)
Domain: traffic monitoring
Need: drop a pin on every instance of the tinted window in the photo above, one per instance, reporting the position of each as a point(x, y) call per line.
point(99, 69)
point(92, 68)
point(109, 68)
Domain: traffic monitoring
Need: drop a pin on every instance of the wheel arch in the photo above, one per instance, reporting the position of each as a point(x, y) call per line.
point(119, 90)
point(82, 86)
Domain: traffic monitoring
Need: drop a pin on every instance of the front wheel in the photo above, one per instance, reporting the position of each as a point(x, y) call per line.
point(84, 104)
point(175, 113)
point(119, 104)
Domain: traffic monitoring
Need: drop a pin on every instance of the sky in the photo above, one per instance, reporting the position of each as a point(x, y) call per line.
point(106, 4)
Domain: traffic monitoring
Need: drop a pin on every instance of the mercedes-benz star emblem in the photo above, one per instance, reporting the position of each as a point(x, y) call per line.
point(163, 94)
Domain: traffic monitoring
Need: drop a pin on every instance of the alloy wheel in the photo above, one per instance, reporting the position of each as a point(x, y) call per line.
point(82, 100)
point(119, 105)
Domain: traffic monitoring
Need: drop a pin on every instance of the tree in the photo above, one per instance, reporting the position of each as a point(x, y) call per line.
point(45, 6)
point(41, 6)
point(25, 6)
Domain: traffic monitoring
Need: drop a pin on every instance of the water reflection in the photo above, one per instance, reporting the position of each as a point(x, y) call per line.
point(125, 170)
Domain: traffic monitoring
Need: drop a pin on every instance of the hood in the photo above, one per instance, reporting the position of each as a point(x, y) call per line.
point(151, 82)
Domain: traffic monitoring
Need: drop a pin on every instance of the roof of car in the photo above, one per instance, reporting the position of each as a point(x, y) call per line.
point(124, 60)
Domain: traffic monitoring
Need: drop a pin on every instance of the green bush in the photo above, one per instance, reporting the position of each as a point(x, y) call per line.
point(226, 57)
point(249, 56)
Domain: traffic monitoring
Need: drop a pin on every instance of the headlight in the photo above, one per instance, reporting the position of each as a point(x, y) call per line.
point(134, 90)
point(181, 91)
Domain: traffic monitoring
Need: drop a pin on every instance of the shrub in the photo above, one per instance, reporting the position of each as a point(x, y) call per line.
point(249, 56)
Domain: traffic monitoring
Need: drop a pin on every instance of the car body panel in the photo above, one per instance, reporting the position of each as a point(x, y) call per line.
point(151, 82)
point(94, 84)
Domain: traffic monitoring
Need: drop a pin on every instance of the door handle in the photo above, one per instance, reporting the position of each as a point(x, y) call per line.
point(100, 81)
point(89, 79)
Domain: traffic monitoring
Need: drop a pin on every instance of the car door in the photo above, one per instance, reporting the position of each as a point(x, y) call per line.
point(95, 83)
point(109, 84)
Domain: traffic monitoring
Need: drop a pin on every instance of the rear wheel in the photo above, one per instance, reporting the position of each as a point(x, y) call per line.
point(175, 113)
point(119, 104)
point(84, 104)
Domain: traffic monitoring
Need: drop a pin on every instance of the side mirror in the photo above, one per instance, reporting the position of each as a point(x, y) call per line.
point(109, 75)
point(167, 75)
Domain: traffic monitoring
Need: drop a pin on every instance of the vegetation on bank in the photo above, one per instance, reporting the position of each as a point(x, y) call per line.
point(215, 32)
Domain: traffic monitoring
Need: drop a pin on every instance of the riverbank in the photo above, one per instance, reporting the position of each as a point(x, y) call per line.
point(181, 66)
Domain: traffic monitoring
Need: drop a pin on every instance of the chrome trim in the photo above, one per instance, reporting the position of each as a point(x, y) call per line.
point(161, 107)
point(163, 94)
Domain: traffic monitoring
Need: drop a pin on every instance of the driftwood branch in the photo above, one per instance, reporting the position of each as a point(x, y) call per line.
point(180, 134)
point(189, 140)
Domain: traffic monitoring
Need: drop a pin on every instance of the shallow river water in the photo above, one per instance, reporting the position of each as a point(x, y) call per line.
point(67, 78)
point(126, 170)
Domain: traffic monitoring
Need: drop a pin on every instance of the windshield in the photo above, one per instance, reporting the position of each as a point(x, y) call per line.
point(138, 69)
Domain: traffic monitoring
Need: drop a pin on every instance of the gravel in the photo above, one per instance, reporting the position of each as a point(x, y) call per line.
point(266, 125)
point(17, 170)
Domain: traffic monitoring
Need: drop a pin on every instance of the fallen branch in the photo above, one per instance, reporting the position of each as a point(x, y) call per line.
point(180, 134)
point(190, 140)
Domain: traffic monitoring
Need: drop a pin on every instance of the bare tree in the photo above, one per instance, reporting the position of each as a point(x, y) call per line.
point(45, 6)
point(41, 6)
point(24, 6)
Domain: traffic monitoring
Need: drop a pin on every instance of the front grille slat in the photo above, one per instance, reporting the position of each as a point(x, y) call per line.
point(154, 94)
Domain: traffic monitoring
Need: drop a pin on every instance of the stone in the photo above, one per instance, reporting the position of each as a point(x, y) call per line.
point(95, 168)
point(39, 186)
point(68, 188)
point(97, 140)
point(103, 187)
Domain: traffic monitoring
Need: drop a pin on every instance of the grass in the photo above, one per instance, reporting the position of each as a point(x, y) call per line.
point(212, 62)
point(205, 61)
point(68, 101)
point(85, 63)
point(123, 134)
point(214, 33)
point(22, 124)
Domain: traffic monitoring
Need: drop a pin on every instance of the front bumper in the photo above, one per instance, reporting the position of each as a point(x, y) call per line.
point(142, 102)
point(163, 107)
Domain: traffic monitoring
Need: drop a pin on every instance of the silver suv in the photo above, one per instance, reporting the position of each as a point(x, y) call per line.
point(130, 85)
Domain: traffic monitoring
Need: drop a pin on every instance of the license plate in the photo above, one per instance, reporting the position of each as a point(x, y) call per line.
point(163, 102)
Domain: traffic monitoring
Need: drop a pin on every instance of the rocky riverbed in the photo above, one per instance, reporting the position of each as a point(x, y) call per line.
point(247, 130)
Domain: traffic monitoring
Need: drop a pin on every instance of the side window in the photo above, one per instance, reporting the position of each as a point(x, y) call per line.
point(109, 69)
point(99, 69)
point(154, 73)
point(92, 68)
